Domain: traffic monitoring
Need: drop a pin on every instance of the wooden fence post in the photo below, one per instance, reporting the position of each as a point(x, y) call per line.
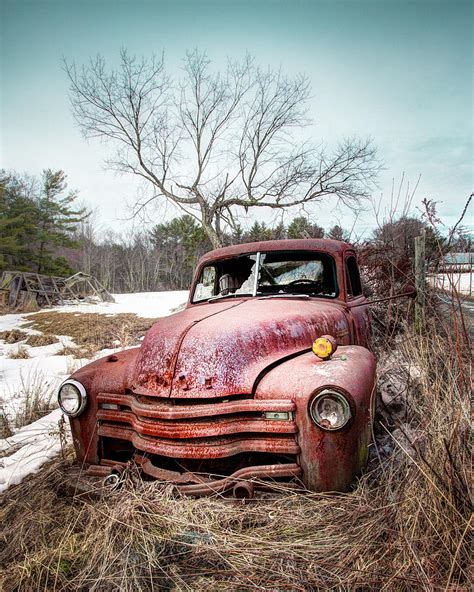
point(419, 281)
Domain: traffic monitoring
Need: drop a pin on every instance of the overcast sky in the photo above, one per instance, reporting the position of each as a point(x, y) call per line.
point(398, 71)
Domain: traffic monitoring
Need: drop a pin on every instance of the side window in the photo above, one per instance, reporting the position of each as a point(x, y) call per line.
point(354, 287)
point(205, 287)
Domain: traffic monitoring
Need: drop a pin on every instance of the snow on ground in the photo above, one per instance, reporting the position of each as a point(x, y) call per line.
point(29, 449)
point(18, 375)
point(463, 282)
point(144, 304)
point(33, 445)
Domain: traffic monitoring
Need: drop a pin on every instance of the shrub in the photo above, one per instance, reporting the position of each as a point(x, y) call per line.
point(41, 340)
point(13, 336)
point(36, 394)
point(21, 353)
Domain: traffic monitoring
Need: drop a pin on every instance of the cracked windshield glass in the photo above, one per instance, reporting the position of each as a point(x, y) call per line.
point(296, 273)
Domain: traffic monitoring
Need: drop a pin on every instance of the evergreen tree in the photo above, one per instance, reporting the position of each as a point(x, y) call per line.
point(258, 232)
point(181, 242)
point(57, 220)
point(279, 232)
point(237, 236)
point(301, 227)
point(338, 233)
point(18, 224)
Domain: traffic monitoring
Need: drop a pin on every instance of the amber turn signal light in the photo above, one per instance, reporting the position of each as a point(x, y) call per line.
point(324, 346)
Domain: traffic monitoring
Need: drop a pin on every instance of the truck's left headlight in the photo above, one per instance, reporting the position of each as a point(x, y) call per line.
point(72, 397)
point(330, 410)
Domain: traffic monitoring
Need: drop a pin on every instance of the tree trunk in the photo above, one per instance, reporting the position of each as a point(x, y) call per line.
point(212, 234)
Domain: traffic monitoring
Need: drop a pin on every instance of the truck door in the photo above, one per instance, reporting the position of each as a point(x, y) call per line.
point(359, 311)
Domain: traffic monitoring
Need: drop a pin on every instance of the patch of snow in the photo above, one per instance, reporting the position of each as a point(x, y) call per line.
point(13, 321)
point(16, 376)
point(144, 304)
point(31, 447)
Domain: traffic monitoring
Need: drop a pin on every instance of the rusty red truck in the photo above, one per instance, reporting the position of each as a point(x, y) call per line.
point(264, 377)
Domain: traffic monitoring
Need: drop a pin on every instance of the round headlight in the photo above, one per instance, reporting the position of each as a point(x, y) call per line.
point(330, 410)
point(72, 397)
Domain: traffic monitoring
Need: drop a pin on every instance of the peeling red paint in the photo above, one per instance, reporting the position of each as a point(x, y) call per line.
point(206, 383)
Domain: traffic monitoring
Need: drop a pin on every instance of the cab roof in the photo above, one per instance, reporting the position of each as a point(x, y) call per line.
point(308, 244)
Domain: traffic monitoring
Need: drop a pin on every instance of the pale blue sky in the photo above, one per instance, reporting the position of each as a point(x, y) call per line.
point(399, 71)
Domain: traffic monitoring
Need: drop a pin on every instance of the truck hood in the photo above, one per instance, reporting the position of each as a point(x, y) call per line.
point(220, 348)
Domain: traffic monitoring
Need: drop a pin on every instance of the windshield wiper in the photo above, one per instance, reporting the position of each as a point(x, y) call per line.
point(219, 296)
point(285, 295)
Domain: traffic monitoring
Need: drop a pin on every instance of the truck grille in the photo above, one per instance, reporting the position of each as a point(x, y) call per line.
point(215, 436)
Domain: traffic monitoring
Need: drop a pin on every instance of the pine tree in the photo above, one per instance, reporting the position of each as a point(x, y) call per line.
point(338, 233)
point(279, 232)
point(301, 227)
point(258, 232)
point(237, 235)
point(18, 220)
point(57, 221)
point(181, 242)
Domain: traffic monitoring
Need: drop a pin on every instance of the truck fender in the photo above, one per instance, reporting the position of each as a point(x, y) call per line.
point(109, 374)
point(329, 459)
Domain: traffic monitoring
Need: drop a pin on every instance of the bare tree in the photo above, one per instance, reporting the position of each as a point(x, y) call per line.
point(213, 142)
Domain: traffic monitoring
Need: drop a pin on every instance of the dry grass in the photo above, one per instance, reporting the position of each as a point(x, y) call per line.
point(20, 353)
point(406, 526)
point(79, 352)
point(5, 428)
point(93, 330)
point(36, 394)
point(41, 340)
point(13, 336)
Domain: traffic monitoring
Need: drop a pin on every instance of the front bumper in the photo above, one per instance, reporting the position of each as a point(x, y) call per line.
point(203, 448)
point(242, 482)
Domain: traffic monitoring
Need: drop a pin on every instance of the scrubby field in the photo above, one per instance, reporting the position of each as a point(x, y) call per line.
point(405, 526)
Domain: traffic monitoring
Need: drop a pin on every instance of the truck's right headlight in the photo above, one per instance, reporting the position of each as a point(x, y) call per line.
point(72, 397)
point(330, 410)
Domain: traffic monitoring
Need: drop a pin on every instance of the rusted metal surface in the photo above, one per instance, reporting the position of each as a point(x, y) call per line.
point(329, 460)
point(323, 245)
point(233, 379)
point(206, 486)
point(98, 471)
point(208, 448)
point(243, 482)
point(223, 354)
point(159, 410)
point(182, 430)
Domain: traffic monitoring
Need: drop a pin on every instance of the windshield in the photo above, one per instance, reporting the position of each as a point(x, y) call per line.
point(279, 273)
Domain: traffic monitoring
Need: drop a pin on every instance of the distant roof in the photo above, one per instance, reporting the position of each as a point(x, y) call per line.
point(307, 244)
point(459, 258)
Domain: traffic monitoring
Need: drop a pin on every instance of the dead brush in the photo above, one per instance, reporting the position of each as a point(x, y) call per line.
point(36, 395)
point(5, 428)
point(13, 336)
point(405, 526)
point(93, 330)
point(78, 353)
point(20, 353)
point(41, 340)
